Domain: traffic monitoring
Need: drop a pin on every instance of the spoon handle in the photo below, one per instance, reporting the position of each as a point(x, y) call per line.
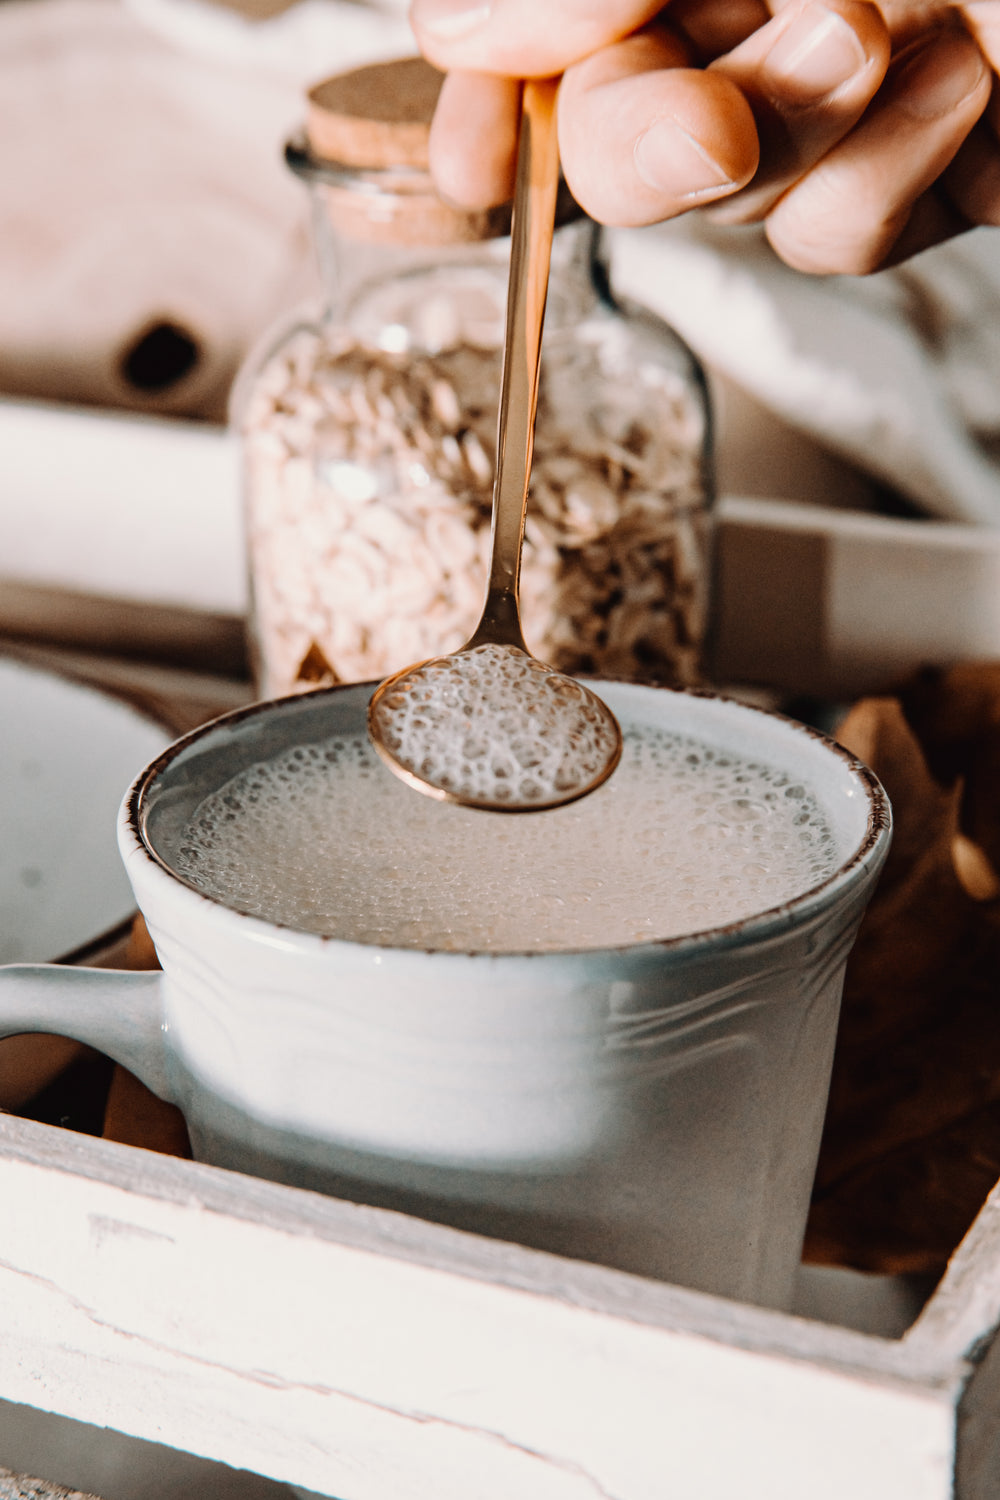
point(532, 227)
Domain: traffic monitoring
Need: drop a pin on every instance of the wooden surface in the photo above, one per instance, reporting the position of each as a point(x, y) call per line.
point(364, 1354)
point(371, 1356)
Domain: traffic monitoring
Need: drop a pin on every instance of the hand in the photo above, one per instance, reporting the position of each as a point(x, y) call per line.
point(859, 133)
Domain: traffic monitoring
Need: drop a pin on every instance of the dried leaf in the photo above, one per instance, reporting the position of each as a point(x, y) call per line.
point(912, 1139)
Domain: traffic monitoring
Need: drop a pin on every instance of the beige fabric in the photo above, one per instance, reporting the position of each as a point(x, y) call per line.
point(897, 373)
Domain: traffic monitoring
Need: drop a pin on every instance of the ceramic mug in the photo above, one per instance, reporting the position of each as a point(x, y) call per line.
point(655, 1106)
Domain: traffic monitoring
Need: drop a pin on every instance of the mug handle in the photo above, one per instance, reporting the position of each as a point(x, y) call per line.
point(117, 1011)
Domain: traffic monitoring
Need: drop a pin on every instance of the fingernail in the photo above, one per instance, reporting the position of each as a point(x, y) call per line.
point(815, 54)
point(670, 160)
point(450, 18)
point(937, 75)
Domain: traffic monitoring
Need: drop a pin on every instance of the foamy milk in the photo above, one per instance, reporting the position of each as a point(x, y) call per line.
point(684, 837)
point(496, 728)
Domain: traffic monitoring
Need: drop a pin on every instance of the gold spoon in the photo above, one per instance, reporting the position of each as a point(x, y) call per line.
point(489, 725)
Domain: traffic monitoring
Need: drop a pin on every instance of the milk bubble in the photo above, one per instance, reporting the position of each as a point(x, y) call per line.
point(682, 838)
point(496, 728)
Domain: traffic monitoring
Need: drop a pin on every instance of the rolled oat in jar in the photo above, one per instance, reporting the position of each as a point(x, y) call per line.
point(369, 432)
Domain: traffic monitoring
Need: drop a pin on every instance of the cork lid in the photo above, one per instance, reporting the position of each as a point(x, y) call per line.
point(367, 137)
point(377, 116)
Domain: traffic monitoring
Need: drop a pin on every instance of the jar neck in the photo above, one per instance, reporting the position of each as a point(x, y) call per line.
point(380, 280)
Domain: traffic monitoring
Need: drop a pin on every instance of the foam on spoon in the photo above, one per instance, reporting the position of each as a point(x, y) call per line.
point(492, 727)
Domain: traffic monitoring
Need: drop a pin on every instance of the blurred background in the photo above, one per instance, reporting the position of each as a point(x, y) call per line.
point(150, 235)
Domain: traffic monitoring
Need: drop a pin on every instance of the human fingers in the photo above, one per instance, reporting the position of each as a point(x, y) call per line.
point(473, 142)
point(966, 194)
point(808, 76)
point(713, 27)
point(972, 181)
point(982, 21)
point(522, 38)
point(643, 137)
point(848, 213)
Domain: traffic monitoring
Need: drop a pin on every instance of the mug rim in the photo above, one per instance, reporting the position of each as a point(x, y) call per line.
point(756, 928)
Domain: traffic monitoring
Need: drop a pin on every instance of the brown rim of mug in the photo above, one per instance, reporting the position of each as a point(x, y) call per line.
point(756, 928)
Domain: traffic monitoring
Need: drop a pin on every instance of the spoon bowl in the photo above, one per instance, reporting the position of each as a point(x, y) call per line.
point(492, 727)
point(489, 725)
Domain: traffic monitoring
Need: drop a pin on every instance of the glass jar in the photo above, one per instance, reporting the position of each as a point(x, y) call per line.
point(369, 434)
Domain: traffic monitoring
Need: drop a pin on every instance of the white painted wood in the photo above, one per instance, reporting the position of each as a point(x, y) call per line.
point(965, 1308)
point(811, 599)
point(962, 1319)
point(76, 473)
point(368, 1355)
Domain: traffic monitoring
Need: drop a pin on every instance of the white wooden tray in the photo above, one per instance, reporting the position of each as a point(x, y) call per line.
point(836, 604)
point(368, 1355)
